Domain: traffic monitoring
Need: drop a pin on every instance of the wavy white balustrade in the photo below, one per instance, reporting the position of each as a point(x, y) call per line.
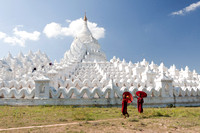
point(198, 91)
point(188, 91)
point(18, 94)
point(18, 85)
point(176, 91)
point(86, 82)
point(28, 93)
point(67, 93)
point(183, 91)
point(194, 92)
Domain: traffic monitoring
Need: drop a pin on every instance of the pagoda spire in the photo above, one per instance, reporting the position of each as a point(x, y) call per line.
point(85, 30)
point(85, 18)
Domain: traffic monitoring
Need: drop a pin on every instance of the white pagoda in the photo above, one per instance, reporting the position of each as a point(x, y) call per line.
point(85, 77)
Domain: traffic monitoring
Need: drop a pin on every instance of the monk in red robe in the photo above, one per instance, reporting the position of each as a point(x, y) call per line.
point(140, 101)
point(124, 106)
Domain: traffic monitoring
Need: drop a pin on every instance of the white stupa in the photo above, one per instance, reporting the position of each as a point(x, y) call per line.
point(85, 69)
point(84, 47)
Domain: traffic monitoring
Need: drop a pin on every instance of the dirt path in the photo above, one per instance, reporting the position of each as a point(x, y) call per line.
point(54, 125)
point(117, 125)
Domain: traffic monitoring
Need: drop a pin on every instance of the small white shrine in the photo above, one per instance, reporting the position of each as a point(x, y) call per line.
point(85, 77)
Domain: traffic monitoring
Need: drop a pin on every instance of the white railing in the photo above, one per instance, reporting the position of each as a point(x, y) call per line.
point(114, 92)
point(100, 96)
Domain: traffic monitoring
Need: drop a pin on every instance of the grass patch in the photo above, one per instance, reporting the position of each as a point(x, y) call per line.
point(17, 116)
point(82, 114)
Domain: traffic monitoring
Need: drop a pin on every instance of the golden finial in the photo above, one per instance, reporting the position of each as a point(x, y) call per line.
point(85, 18)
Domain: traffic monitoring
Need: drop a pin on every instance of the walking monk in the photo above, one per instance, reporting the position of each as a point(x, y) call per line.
point(124, 106)
point(140, 102)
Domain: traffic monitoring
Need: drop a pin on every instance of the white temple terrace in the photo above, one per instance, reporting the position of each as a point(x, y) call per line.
point(85, 77)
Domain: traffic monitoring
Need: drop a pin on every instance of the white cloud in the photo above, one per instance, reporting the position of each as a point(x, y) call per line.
point(68, 21)
point(26, 35)
point(2, 35)
point(14, 41)
point(56, 30)
point(52, 30)
point(19, 37)
point(187, 9)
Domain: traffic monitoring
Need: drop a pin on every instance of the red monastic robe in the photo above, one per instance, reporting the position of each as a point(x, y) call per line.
point(124, 106)
point(140, 101)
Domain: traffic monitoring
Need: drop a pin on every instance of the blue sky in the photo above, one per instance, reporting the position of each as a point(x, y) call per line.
point(158, 30)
